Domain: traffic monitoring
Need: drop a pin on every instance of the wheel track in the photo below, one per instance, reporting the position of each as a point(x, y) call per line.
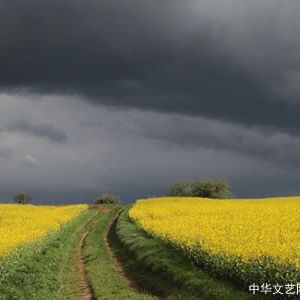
point(85, 288)
point(134, 285)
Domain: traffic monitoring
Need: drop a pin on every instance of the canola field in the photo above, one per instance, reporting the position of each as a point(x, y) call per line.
point(21, 224)
point(240, 239)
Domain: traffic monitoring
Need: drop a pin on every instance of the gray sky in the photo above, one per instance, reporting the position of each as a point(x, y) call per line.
point(128, 96)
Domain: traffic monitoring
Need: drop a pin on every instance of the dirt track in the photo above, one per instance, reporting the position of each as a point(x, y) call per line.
point(86, 292)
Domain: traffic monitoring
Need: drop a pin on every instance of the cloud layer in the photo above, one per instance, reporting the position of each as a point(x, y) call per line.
point(130, 95)
point(49, 132)
point(231, 59)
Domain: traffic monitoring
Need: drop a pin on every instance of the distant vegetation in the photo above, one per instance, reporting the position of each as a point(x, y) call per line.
point(209, 188)
point(107, 198)
point(23, 198)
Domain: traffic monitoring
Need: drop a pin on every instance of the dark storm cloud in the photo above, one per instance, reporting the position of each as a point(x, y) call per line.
point(198, 88)
point(49, 132)
point(277, 148)
point(232, 60)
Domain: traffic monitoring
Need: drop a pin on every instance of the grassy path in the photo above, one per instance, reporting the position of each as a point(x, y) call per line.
point(74, 263)
point(104, 274)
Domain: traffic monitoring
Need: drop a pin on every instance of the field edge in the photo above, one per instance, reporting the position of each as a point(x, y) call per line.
point(167, 272)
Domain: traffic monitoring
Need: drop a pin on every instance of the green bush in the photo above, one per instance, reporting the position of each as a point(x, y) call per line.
point(23, 198)
point(209, 188)
point(181, 188)
point(107, 198)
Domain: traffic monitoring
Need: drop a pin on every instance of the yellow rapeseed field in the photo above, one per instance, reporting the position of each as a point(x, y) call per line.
point(244, 228)
point(27, 223)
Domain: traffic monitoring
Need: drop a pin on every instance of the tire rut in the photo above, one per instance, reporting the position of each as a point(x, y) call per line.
point(85, 289)
point(134, 285)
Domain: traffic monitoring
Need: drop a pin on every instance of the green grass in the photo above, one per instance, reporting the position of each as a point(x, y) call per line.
point(44, 269)
point(105, 279)
point(166, 271)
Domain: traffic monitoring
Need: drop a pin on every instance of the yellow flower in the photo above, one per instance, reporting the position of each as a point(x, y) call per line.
point(26, 223)
point(247, 228)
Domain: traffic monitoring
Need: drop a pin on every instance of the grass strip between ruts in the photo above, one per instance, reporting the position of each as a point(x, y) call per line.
point(104, 277)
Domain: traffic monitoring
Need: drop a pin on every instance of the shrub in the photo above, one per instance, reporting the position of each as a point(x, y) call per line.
point(107, 198)
point(22, 198)
point(181, 188)
point(209, 188)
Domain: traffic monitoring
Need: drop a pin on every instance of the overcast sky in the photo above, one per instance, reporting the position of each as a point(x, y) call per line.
point(128, 96)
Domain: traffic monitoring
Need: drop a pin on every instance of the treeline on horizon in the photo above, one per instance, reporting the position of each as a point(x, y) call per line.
point(207, 188)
